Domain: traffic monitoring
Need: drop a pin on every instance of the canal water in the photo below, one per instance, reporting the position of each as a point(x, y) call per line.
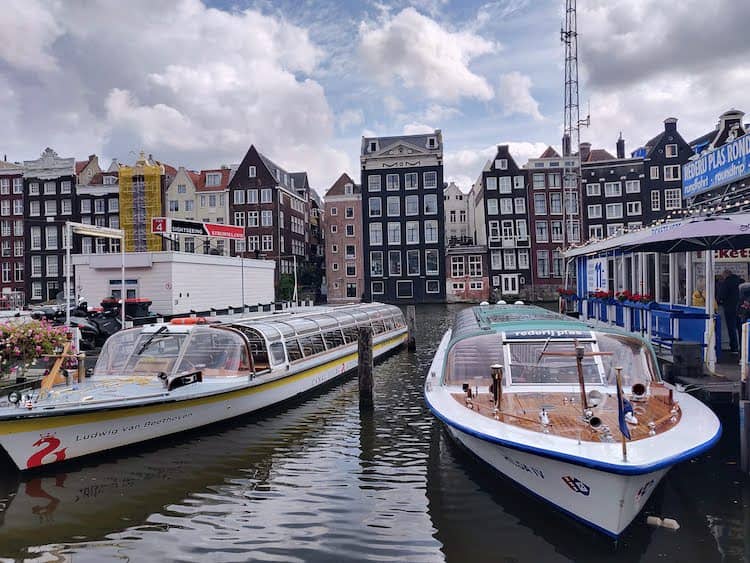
point(318, 481)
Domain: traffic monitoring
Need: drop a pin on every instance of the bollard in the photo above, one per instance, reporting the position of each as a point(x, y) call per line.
point(411, 323)
point(364, 366)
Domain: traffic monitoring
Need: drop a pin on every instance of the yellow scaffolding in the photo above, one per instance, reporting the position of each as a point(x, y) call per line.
point(140, 201)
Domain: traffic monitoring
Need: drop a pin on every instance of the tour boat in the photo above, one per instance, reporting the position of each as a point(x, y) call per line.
point(549, 402)
point(164, 378)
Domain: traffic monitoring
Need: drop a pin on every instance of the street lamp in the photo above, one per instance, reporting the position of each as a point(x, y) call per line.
point(93, 231)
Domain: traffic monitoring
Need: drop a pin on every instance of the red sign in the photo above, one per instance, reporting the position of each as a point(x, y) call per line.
point(159, 225)
point(164, 225)
point(219, 230)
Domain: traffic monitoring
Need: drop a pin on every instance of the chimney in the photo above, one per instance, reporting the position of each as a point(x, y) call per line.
point(566, 145)
point(620, 147)
point(584, 150)
point(670, 124)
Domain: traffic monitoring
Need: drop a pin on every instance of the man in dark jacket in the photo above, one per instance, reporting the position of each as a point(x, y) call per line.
point(728, 297)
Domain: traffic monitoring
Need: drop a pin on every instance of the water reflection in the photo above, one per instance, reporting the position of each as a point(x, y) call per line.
point(321, 481)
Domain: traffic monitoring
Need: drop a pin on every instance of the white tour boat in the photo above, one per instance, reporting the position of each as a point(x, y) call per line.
point(165, 378)
point(535, 395)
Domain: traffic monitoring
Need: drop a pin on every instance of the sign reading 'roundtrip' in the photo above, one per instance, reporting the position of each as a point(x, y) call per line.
point(167, 225)
point(718, 167)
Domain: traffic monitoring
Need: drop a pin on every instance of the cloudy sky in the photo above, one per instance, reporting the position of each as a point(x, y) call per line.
point(196, 82)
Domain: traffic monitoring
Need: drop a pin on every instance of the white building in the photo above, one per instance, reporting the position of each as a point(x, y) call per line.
point(458, 229)
point(176, 282)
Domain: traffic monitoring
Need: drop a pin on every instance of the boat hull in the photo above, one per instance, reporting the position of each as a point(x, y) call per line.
point(605, 501)
point(32, 441)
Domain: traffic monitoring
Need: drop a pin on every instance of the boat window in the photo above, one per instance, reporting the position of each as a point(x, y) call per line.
point(469, 360)
point(115, 352)
point(312, 344)
point(536, 362)
point(378, 326)
point(333, 339)
point(293, 350)
point(390, 324)
point(215, 352)
point(630, 354)
point(350, 333)
point(277, 353)
point(154, 352)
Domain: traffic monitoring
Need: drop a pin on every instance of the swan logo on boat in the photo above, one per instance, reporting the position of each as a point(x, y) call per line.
point(51, 444)
point(576, 485)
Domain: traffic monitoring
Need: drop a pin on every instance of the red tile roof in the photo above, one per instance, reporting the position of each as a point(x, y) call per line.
point(80, 165)
point(599, 154)
point(200, 185)
point(550, 153)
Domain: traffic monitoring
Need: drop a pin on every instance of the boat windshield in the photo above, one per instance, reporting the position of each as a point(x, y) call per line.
point(540, 361)
point(213, 351)
point(133, 352)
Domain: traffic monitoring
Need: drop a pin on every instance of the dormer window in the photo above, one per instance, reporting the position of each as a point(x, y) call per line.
point(431, 143)
point(251, 171)
point(348, 189)
point(373, 146)
point(213, 179)
point(109, 180)
point(278, 175)
point(501, 164)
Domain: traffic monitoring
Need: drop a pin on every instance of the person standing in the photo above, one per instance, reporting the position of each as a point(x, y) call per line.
point(729, 299)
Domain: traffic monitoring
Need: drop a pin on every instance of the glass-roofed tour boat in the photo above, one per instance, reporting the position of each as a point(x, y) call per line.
point(577, 415)
point(160, 379)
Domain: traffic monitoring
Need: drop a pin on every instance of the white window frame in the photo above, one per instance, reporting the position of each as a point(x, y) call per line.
point(614, 210)
point(594, 189)
point(595, 211)
point(634, 208)
point(656, 200)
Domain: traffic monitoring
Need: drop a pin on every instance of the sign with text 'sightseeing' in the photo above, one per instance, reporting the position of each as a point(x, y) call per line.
point(167, 225)
point(718, 167)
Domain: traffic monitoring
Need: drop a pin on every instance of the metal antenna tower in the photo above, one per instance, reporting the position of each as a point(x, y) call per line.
point(572, 124)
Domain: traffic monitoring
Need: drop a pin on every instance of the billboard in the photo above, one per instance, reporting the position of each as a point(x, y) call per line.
point(721, 166)
point(167, 225)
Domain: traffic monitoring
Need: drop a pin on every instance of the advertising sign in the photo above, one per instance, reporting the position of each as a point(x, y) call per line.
point(718, 167)
point(597, 274)
point(165, 225)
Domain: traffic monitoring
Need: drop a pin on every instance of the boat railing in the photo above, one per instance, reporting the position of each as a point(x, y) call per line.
point(662, 323)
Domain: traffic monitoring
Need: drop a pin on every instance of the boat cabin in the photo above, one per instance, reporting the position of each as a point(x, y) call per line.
point(535, 346)
point(246, 347)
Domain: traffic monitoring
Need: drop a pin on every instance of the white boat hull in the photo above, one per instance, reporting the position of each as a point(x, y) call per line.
point(34, 441)
point(605, 501)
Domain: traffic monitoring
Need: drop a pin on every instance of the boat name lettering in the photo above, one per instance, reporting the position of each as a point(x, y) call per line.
point(130, 427)
point(576, 485)
point(547, 333)
point(528, 468)
point(166, 419)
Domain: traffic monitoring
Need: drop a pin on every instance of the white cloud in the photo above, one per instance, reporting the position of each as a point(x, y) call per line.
point(392, 104)
point(350, 117)
point(28, 35)
point(195, 91)
point(417, 128)
point(644, 61)
point(515, 94)
point(436, 112)
point(424, 55)
point(464, 166)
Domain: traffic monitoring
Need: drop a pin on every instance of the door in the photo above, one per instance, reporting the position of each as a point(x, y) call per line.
point(509, 284)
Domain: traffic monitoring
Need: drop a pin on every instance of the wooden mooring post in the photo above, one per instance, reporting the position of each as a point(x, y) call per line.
point(411, 323)
point(364, 366)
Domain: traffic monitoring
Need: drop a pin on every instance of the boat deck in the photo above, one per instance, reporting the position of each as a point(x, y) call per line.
point(565, 414)
point(95, 390)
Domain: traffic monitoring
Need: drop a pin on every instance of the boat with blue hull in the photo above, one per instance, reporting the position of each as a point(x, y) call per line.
point(575, 414)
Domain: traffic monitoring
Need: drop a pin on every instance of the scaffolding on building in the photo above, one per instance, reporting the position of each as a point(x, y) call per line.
point(140, 201)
